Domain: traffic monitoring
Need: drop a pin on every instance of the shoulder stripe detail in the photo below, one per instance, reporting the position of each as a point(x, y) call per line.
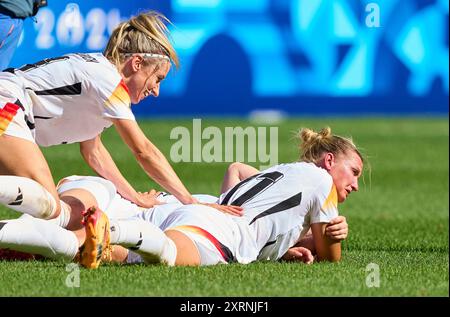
point(124, 86)
point(332, 200)
point(120, 96)
point(289, 203)
point(74, 89)
point(7, 114)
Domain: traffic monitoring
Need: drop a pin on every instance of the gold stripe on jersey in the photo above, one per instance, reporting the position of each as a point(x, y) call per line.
point(332, 200)
point(120, 96)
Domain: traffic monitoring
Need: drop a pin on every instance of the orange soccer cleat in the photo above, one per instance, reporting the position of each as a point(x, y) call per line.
point(96, 247)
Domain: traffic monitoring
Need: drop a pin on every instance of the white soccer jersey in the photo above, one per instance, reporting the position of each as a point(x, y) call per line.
point(280, 204)
point(72, 97)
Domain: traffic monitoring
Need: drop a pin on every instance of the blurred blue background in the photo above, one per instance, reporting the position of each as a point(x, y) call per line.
point(300, 57)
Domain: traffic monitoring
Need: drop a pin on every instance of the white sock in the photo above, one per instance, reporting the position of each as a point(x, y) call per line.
point(38, 236)
point(64, 216)
point(144, 239)
point(27, 196)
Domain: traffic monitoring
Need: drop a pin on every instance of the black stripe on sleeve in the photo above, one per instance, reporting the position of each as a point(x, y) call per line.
point(74, 89)
point(268, 179)
point(235, 188)
point(284, 205)
point(41, 117)
point(269, 243)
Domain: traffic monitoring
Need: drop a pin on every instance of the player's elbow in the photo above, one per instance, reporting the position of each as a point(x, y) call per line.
point(330, 252)
point(328, 258)
point(233, 168)
point(334, 258)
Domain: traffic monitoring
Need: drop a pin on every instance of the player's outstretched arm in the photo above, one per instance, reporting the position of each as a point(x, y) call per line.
point(152, 160)
point(99, 159)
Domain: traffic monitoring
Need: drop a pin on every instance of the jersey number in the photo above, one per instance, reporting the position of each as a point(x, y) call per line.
point(267, 180)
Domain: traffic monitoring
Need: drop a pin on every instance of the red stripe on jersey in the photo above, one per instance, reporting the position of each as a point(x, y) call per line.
point(7, 114)
point(10, 108)
point(226, 253)
point(122, 83)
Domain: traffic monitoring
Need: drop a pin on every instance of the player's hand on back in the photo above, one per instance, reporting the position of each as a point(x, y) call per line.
point(337, 228)
point(148, 199)
point(227, 209)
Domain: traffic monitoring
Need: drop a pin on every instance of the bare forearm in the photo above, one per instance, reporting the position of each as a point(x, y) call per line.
point(334, 253)
point(102, 163)
point(152, 160)
point(327, 248)
point(159, 169)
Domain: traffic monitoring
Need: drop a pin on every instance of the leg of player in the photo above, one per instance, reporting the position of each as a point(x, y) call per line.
point(26, 183)
point(47, 238)
point(155, 246)
point(79, 201)
point(90, 224)
point(37, 236)
point(42, 237)
point(187, 252)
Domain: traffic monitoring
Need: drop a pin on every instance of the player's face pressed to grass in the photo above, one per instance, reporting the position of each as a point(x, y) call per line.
point(144, 80)
point(345, 169)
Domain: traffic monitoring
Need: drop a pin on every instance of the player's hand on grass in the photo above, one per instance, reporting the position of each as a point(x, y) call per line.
point(227, 209)
point(148, 199)
point(337, 228)
point(299, 254)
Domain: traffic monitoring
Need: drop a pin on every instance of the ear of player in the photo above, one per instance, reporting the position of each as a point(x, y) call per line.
point(96, 247)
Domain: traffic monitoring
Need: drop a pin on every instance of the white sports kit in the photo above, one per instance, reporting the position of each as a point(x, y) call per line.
point(62, 100)
point(280, 204)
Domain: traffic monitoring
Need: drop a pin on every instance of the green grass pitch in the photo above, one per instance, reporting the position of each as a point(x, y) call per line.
point(398, 221)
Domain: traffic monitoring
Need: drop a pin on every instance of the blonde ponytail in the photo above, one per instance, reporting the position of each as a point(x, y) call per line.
point(314, 144)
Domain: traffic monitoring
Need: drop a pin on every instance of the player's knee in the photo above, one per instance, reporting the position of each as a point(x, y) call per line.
point(46, 202)
point(77, 200)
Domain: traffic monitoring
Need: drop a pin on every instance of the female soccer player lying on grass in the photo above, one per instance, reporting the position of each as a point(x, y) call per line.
point(34, 236)
point(73, 98)
point(280, 206)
